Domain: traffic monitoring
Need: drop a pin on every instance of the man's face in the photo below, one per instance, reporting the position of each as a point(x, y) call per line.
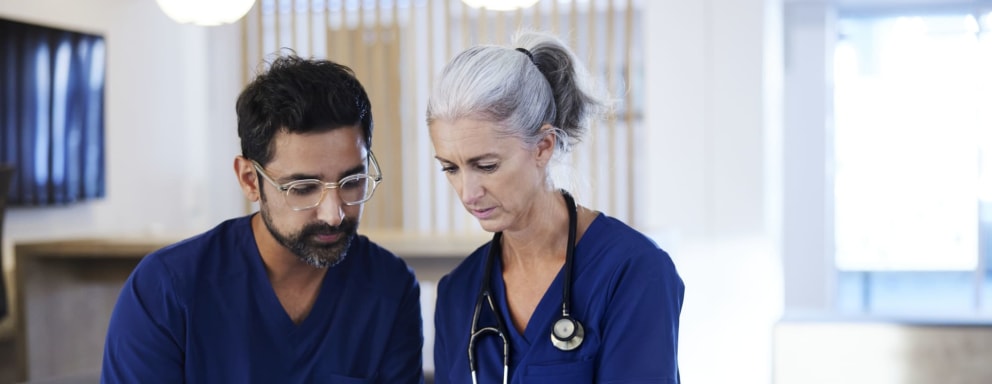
point(319, 236)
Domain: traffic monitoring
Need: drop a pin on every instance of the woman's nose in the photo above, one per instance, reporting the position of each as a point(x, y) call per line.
point(471, 189)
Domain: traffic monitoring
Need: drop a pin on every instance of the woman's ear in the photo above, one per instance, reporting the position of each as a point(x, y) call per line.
point(546, 146)
point(244, 169)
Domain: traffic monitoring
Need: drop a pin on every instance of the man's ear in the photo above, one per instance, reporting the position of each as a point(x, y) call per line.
point(247, 177)
point(546, 146)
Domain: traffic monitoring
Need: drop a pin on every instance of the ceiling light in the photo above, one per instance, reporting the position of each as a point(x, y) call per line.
point(205, 12)
point(500, 5)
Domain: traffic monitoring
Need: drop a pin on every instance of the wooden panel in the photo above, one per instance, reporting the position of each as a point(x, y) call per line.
point(367, 36)
point(65, 293)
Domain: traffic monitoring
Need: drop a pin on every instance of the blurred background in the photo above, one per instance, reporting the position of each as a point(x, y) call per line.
point(819, 170)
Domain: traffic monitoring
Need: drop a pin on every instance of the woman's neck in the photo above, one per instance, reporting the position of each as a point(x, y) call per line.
point(543, 239)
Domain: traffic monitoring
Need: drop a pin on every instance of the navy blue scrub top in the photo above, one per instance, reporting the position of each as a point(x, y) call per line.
point(625, 292)
point(203, 311)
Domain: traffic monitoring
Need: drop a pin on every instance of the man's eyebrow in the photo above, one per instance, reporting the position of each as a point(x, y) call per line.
point(353, 171)
point(310, 176)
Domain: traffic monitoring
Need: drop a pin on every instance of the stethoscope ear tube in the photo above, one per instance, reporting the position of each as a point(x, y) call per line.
point(568, 333)
point(485, 294)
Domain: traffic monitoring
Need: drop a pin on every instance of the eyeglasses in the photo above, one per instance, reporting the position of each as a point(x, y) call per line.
point(308, 193)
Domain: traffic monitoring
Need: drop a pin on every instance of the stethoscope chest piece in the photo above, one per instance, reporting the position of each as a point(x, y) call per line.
point(567, 333)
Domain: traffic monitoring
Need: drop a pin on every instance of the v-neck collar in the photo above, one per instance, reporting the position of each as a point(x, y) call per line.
point(540, 320)
point(548, 309)
point(269, 304)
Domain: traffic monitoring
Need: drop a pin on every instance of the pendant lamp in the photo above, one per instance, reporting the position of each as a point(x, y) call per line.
point(500, 5)
point(205, 12)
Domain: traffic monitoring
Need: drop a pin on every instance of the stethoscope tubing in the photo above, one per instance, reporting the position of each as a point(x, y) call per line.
point(566, 290)
point(499, 330)
point(485, 293)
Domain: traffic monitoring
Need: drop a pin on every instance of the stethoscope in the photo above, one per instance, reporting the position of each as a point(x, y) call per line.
point(566, 333)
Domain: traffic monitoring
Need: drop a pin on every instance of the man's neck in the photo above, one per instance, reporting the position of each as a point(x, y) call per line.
point(283, 267)
point(296, 283)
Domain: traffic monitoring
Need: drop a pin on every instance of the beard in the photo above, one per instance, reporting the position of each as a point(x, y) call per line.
point(304, 245)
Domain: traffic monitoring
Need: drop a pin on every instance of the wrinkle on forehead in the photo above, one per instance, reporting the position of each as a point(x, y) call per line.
point(468, 138)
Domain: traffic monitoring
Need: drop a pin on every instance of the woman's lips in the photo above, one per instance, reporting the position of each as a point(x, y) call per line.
point(482, 214)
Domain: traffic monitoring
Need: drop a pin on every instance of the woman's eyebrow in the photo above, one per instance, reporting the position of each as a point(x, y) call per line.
point(472, 160)
point(481, 157)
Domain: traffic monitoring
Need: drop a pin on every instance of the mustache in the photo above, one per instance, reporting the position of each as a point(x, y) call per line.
point(316, 229)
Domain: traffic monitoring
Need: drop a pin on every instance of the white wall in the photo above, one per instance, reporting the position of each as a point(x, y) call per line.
point(808, 240)
point(714, 137)
point(170, 125)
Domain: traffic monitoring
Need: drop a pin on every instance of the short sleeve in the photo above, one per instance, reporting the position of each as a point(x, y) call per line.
point(441, 363)
point(640, 335)
point(145, 337)
point(404, 362)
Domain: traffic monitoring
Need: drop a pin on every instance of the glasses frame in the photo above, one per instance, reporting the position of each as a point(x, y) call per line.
point(375, 177)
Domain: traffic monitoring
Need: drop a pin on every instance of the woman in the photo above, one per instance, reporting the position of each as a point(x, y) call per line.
point(563, 293)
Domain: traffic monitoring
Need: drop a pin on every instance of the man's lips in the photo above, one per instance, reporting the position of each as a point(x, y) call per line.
point(327, 237)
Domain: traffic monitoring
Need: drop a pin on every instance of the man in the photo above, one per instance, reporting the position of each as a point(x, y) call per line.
point(289, 294)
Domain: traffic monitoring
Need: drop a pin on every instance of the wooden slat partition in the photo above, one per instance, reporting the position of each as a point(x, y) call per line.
point(397, 48)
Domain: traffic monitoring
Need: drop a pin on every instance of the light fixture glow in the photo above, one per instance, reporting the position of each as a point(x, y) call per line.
point(205, 12)
point(500, 5)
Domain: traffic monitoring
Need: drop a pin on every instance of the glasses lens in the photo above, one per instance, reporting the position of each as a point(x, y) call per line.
point(355, 189)
point(304, 194)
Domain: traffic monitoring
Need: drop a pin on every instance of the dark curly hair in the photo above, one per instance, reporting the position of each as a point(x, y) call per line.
point(299, 95)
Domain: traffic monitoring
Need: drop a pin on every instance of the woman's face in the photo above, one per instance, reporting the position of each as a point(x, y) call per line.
point(496, 176)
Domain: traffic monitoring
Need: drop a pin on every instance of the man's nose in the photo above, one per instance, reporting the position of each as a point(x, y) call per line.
point(330, 209)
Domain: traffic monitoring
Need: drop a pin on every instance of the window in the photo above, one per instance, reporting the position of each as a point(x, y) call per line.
point(913, 165)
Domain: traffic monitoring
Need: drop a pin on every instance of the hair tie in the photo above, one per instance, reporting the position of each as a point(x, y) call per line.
point(530, 55)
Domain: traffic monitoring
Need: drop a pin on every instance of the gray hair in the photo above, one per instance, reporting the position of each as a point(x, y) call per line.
point(519, 92)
